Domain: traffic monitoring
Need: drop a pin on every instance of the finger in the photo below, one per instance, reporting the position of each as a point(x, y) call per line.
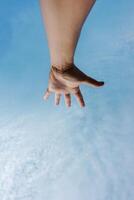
point(79, 98)
point(67, 99)
point(92, 82)
point(57, 98)
point(47, 94)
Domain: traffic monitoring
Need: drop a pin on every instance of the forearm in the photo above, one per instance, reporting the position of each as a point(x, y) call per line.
point(63, 20)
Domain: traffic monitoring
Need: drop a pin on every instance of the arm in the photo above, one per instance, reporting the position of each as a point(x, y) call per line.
point(63, 20)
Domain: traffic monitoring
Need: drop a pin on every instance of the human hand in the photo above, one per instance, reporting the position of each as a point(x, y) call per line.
point(67, 82)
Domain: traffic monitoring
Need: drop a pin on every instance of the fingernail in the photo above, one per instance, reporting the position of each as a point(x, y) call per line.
point(102, 82)
point(44, 97)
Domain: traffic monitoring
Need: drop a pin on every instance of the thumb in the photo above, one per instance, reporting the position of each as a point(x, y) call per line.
point(92, 82)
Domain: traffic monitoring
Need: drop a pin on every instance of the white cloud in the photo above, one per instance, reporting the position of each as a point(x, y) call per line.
point(69, 156)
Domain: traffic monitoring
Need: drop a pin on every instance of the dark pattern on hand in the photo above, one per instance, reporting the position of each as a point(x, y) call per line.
point(67, 82)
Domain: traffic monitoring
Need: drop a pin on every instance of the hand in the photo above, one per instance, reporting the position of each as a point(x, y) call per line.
point(67, 82)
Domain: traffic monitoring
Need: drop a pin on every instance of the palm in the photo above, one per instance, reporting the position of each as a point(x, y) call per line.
point(67, 83)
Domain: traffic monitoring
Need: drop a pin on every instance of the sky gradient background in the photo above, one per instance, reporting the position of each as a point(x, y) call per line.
point(55, 153)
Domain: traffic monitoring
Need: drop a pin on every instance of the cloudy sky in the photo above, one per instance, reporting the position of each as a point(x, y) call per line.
point(55, 153)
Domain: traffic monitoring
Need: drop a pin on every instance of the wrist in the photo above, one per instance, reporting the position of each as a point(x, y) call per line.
point(62, 70)
point(61, 60)
point(62, 64)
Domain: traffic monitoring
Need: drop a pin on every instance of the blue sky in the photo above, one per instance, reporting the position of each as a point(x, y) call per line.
point(104, 49)
point(53, 153)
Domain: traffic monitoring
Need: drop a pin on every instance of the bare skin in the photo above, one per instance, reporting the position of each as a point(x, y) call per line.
point(63, 20)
